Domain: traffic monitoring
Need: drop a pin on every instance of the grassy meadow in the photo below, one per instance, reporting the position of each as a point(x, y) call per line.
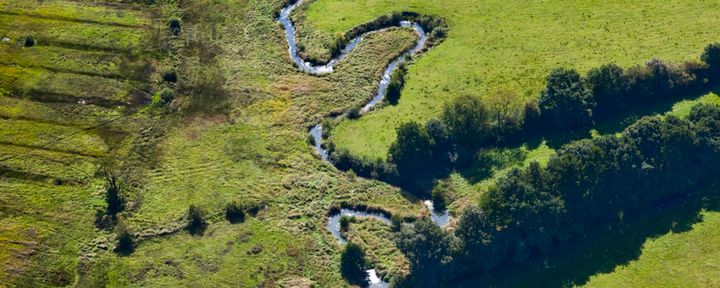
point(509, 45)
point(77, 100)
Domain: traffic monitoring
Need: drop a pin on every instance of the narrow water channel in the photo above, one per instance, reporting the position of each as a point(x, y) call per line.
point(333, 224)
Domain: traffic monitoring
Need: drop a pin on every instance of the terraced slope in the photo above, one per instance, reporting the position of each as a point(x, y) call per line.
point(72, 75)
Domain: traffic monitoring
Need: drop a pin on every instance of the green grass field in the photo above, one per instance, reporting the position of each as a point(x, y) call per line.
point(684, 259)
point(510, 45)
point(249, 144)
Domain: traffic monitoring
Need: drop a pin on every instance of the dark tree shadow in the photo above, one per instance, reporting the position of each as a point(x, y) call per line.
point(603, 248)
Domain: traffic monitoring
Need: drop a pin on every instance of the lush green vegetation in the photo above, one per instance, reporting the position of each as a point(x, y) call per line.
point(509, 46)
point(530, 211)
point(162, 143)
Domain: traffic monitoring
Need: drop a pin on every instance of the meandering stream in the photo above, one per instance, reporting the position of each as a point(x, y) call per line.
point(333, 224)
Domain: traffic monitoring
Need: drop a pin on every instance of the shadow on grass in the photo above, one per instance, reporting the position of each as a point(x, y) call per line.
point(607, 246)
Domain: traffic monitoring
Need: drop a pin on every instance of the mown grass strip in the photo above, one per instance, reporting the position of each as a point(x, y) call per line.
point(56, 113)
point(73, 34)
point(73, 11)
point(69, 87)
point(72, 61)
point(57, 165)
point(51, 137)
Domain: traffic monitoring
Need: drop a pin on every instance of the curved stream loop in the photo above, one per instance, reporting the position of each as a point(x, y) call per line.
point(333, 224)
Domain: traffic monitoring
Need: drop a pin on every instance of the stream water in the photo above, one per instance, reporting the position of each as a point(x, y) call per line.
point(333, 224)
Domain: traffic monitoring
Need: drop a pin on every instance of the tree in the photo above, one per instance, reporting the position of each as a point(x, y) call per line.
point(466, 119)
point(476, 232)
point(443, 146)
point(610, 89)
point(711, 57)
point(660, 82)
point(427, 248)
point(505, 114)
point(352, 265)
point(566, 102)
point(411, 151)
point(196, 220)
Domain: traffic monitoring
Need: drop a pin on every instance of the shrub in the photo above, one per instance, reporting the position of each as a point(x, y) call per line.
point(170, 76)
point(234, 212)
point(166, 96)
point(254, 207)
point(438, 33)
point(397, 222)
point(196, 220)
point(439, 197)
point(345, 223)
point(354, 112)
point(352, 265)
point(115, 201)
point(125, 241)
point(29, 41)
point(174, 26)
point(397, 82)
point(103, 220)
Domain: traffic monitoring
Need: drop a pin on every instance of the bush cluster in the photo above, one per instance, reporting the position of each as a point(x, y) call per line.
point(196, 222)
point(589, 183)
point(397, 82)
point(571, 102)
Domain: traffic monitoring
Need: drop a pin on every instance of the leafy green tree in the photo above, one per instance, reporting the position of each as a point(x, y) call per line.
point(352, 265)
point(566, 102)
point(466, 119)
point(443, 146)
point(660, 79)
point(610, 88)
point(411, 151)
point(480, 250)
point(427, 248)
